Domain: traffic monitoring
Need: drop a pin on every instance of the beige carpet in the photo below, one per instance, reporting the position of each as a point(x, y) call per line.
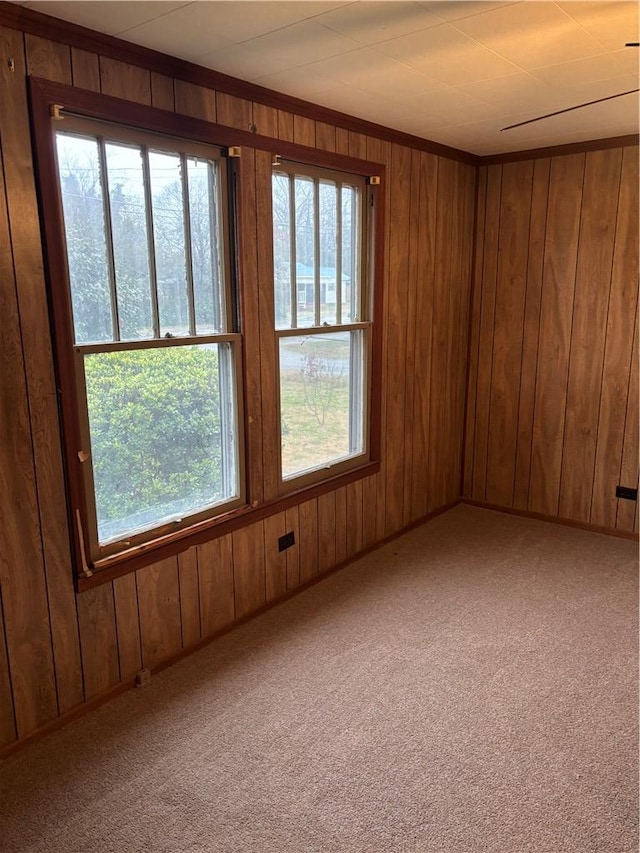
point(470, 687)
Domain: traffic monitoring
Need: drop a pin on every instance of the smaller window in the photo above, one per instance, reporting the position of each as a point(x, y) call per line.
point(323, 328)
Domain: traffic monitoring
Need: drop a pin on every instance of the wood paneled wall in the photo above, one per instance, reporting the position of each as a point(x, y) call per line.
point(59, 649)
point(552, 417)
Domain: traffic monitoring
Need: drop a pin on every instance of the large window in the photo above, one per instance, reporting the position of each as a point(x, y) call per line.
point(156, 352)
point(322, 319)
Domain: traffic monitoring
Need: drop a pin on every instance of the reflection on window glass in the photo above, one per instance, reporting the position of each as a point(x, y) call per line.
point(205, 245)
point(282, 250)
point(169, 240)
point(130, 240)
point(349, 255)
point(305, 251)
point(161, 444)
point(84, 222)
point(329, 271)
point(320, 400)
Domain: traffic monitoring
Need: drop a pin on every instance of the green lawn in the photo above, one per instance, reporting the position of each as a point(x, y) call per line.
point(315, 420)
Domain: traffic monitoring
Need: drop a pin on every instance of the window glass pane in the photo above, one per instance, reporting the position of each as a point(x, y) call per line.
point(168, 227)
point(84, 222)
point(328, 255)
point(130, 242)
point(205, 245)
point(162, 440)
point(305, 251)
point(282, 250)
point(320, 400)
point(350, 257)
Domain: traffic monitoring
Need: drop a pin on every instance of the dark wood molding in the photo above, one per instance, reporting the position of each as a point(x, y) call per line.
point(560, 150)
point(68, 717)
point(554, 519)
point(37, 23)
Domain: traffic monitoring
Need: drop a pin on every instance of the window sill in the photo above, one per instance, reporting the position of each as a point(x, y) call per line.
point(155, 550)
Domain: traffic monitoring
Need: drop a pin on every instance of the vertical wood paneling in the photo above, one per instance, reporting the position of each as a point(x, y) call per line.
point(529, 362)
point(618, 348)
point(508, 330)
point(265, 119)
point(342, 140)
point(443, 446)
point(487, 316)
point(308, 539)
point(578, 259)
point(304, 131)
point(249, 569)
point(561, 246)
point(162, 95)
point(275, 560)
point(48, 59)
point(159, 608)
point(85, 68)
point(396, 297)
point(426, 239)
point(234, 112)
point(369, 499)
point(412, 334)
point(189, 597)
point(45, 452)
point(285, 126)
point(591, 298)
point(7, 715)
point(460, 318)
point(26, 619)
point(326, 531)
point(125, 598)
point(474, 329)
point(354, 518)
point(98, 640)
point(627, 512)
point(341, 524)
point(357, 145)
point(125, 81)
point(325, 136)
point(215, 577)
point(195, 101)
point(292, 518)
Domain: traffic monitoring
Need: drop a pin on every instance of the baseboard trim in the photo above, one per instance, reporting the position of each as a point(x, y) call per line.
point(554, 519)
point(68, 717)
point(90, 705)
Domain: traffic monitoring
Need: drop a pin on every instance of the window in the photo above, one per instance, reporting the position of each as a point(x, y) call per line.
point(323, 316)
point(186, 414)
point(156, 353)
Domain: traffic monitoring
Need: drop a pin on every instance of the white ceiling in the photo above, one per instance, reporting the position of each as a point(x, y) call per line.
point(454, 72)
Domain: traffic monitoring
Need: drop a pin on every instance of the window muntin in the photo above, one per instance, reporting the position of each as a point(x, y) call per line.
point(322, 319)
point(157, 363)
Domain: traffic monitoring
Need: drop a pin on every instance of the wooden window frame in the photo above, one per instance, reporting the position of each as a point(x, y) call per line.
point(362, 322)
point(46, 97)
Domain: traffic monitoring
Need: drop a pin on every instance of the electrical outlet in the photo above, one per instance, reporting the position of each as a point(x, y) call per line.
point(286, 541)
point(143, 678)
point(626, 493)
